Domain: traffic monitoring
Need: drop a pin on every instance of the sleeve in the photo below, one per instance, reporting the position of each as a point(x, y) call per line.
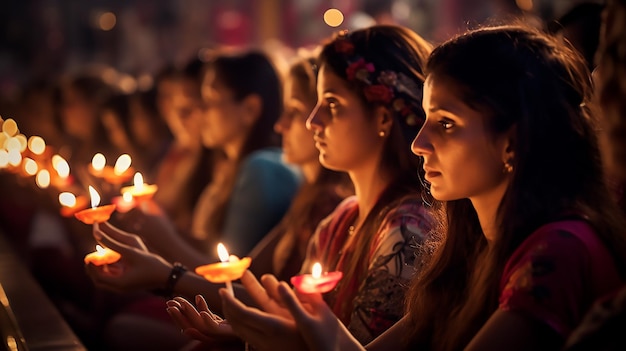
point(262, 194)
point(380, 299)
point(547, 278)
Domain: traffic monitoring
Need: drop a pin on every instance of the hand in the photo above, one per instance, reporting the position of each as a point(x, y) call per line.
point(137, 269)
point(265, 296)
point(262, 330)
point(200, 324)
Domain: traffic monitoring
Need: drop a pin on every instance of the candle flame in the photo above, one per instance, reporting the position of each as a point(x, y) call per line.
point(122, 164)
point(4, 158)
point(127, 196)
point(67, 199)
point(316, 272)
point(61, 166)
point(138, 181)
point(12, 144)
point(15, 157)
point(95, 197)
point(30, 166)
point(222, 252)
point(100, 250)
point(37, 145)
point(98, 162)
point(43, 179)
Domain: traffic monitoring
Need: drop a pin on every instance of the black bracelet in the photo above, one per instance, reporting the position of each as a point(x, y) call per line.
point(178, 270)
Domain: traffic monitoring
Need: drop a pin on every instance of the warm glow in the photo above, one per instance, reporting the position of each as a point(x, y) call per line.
point(30, 166)
point(98, 162)
point(36, 145)
point(61, 166)
point(122, 164)
point(10, 127)
point(3, 139)
point(333, 17)
point(15, 157)
point(100, 250)
point(525, 5)
point(316, 272)
point(94, 196)
point(21, 138)
point(138, 181)
point(127, 197)
point(12, 144)
point(107, 21)
point(67, 199)
point(4, 158)
point(43, 179)
point(222, 252)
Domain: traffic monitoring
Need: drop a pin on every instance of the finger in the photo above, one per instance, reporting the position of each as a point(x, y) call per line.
point(270, 283)
point(172, 303)
point(292, 303)
point(190, 312)
point(115, 245)
point(123, 236)
point(201, 304)
point(177, 317)
point(255, 289)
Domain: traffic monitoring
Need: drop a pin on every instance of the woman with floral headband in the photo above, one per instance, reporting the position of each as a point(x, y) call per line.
point(531, 234)
point(368, 111)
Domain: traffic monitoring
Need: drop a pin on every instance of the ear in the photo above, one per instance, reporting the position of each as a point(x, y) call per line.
point(508, 145)
point(252, 106)
point(384, 119)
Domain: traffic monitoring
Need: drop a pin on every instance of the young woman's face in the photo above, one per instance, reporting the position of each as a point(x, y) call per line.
point(181, 105)
point(344, 135)
point(298, 144)
point(461, 159)
point(223, 117)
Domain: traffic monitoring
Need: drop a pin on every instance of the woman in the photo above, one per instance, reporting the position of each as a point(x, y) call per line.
point(531, 235)
point(366, 115)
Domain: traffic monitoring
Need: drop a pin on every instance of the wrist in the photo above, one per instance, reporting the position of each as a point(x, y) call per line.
point(177, 271)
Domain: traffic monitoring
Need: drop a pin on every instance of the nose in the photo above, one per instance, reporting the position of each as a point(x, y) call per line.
point(282, 124)
point(314, 122)
point(421, 144)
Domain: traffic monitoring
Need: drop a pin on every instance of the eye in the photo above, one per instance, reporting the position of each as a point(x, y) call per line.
point(332, 104)
point(446, 123)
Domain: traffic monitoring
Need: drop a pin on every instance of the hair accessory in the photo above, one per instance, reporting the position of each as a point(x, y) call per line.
point(386, 87)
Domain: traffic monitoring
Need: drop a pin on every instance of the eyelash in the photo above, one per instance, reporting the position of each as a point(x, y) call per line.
point(446, 124)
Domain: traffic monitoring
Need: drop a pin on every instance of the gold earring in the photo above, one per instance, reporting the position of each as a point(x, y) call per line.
point(508, 168)
point(381, 134)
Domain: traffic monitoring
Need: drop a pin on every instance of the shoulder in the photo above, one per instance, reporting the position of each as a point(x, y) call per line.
point(407, 212)
point(268, 162)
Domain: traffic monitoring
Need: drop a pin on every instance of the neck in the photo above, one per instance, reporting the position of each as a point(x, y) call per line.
point(368, 185)
point(486, 207)
point(233, 149)
point(311, 170)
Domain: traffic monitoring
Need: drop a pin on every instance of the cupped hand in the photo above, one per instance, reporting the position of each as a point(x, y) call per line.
point(137, 269)
point(199, 323)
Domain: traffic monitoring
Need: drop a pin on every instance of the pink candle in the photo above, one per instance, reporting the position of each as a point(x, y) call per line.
point(316, 282)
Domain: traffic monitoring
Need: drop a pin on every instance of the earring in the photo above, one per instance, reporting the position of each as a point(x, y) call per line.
point(381, 134)
point(508, 168)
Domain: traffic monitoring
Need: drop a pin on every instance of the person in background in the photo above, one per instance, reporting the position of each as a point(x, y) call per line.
point(532, 237)
point(367, 113)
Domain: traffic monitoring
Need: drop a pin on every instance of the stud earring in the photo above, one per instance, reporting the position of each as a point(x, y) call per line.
point(381, 134)
point(508, 168)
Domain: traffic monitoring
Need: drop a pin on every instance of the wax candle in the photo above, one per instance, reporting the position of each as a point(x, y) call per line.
point(62, 171)
point(124, 203)
point(102, 256)
point(70, 204)
point(95, 214)
point(316, 282)
point(120, 173)
point(231, 268)
point(140, 190)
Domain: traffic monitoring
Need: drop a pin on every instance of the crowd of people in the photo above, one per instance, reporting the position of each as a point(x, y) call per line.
point(471, 192)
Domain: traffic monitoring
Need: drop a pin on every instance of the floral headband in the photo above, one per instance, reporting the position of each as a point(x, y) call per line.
point(385, 87)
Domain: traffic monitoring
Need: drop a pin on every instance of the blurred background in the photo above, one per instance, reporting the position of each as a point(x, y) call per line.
point(137, 37)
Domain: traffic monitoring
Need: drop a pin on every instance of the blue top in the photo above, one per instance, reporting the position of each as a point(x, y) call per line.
point(262, 193)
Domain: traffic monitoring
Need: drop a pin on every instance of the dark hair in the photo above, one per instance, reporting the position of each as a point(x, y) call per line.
point(523, 79)
point(393, 49)
point(246, 74)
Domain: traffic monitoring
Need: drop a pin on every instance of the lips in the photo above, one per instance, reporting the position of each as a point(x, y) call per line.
point(430, 173)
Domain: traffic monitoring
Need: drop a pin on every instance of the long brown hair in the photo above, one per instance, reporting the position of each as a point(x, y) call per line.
point(515, 76)
point(394, 49)
point(245, 74)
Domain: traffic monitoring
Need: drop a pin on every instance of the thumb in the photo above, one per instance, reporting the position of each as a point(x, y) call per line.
point(114, 245)
point(292, 303)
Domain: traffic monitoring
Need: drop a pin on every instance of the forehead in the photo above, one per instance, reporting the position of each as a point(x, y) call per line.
point(329, 80)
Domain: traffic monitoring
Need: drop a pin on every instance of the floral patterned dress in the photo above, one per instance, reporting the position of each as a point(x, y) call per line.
point(378, 299)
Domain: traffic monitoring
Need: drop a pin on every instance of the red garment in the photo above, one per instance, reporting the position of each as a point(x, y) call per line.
point(557, 273)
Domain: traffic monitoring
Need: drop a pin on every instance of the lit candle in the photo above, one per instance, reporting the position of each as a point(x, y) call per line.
point(316, 282)
point(43, 179)
point(140, 190)
point(70, 204)
point(36, 145)
point(102, 256)
point(30, 166)
point(62, 169)
point(124, 203)
point(231, 268)
point(120, 173)
point(122, 164)
point(97, 163)
point(96, 214)
point(4, 158)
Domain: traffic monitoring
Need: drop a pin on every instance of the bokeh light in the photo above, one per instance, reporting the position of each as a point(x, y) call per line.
point(333, 17)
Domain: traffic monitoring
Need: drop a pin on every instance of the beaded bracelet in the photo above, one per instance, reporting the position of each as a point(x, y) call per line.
point(178, 270)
